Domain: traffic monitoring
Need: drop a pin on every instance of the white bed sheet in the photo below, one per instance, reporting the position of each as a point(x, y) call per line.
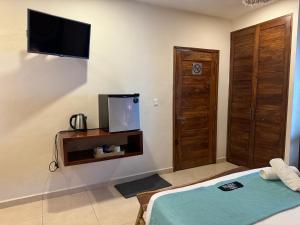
point(289, 217)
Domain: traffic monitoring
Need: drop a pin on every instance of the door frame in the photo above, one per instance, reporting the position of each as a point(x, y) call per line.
point(175, 80)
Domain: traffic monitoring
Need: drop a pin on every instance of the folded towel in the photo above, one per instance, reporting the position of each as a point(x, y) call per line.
point(269, 174)
point(286, 174)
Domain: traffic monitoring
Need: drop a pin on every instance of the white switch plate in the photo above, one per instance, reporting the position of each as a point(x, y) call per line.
point(155, 102)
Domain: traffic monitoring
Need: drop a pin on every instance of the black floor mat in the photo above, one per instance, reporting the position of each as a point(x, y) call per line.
point(130, 189)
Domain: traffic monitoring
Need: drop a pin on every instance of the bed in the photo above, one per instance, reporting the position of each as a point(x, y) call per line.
point(146, 200)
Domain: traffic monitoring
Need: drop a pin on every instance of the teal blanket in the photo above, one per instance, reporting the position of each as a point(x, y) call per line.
point(257, 200)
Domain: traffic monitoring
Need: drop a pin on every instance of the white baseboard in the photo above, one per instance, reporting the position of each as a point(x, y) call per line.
point(72, 190)
point(221, 159)
point(140, 175)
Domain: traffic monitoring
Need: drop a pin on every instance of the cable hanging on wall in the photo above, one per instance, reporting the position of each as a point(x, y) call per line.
point(53, 165)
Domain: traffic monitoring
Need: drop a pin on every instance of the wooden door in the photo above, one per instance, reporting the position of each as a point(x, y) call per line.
point(259, 76)
point(241, 96)
point(195, 106)
point(271, 89)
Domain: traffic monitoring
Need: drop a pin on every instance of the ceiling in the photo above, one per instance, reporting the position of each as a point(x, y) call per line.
point(228, 9)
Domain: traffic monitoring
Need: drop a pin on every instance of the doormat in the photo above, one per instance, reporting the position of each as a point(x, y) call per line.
point(151, 183)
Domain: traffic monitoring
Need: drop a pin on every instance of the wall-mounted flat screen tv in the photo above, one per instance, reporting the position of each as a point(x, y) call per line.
point(54, 35)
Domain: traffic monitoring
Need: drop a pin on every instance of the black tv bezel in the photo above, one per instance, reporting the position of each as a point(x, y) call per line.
point(49, 53)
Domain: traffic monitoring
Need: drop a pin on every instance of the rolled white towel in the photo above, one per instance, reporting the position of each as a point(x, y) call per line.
point(269, 174)
point(286, 174)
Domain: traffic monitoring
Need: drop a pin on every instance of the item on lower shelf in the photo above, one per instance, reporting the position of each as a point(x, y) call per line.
point(108, 148)
point(117, 148)
point(107, 151)
point(109, 154)
point(111, 148)
point(98, 152)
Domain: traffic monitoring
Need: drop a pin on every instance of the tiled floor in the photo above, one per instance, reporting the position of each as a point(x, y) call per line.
point(103, 206)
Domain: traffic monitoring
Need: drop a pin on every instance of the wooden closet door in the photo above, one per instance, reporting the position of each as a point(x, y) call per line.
point(241, 96)
point(272, 78)
point(259, 77)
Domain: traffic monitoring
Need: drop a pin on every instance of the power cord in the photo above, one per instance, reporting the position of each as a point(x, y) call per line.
point(53, 165)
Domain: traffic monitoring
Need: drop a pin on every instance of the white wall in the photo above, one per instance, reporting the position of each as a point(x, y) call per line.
point(131, 51)
point(269, 12)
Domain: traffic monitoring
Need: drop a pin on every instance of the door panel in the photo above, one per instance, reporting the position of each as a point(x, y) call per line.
point(271, 92)
point(241, 102)
point(241, 95)
point(195, 100)
point(241, 129)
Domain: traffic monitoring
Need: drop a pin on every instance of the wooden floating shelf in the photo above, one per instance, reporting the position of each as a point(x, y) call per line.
point(78, 146)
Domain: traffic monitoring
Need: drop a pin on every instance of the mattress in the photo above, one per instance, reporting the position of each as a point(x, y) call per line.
point(289, 217)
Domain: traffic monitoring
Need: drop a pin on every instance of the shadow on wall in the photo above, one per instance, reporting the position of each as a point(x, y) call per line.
point(294, 151)
point(39, 81)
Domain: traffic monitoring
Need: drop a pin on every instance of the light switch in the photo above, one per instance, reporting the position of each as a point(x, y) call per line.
point(155, 102)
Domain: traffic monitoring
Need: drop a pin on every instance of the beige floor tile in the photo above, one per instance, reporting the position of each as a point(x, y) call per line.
point(211, 170)
point(103, 205)
point(29, 222)
point(113, 209)
point(187, 176)
point(73, 209)
point(225, 166)
point(178, 178)
point(24, 214)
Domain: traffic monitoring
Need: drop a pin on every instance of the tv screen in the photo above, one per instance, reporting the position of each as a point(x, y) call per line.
point(54, 35)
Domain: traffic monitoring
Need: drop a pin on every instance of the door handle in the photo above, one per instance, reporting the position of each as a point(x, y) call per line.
point(251, 113)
